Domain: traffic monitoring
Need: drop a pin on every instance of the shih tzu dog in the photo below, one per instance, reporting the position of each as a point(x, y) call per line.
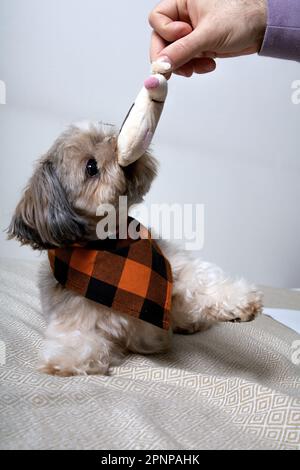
point(58, 213)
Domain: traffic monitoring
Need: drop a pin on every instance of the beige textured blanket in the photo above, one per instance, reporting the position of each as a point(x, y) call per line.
point(233, 387)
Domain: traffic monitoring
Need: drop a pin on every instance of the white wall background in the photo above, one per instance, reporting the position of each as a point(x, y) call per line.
point(229, 139)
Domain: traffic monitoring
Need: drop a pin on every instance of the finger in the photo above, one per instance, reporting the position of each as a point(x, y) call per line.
point(198, 66)
point(204, 65)
point(165, 21)
point(171, 30)
point(186, 70)
point(186, 49)
point(156, 46)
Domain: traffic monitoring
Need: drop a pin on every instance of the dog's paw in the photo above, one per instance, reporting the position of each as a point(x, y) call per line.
point(240, 303)
point(55, 369)
point(64, 370)
point(249, 307)
point(247, 313)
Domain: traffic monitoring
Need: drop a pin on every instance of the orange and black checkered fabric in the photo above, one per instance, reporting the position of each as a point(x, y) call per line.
point(130, 276)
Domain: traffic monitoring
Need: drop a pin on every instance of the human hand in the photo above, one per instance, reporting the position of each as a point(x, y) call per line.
point(192, 33)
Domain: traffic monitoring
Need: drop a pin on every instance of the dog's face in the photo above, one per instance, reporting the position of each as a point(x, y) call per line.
point(78, 173)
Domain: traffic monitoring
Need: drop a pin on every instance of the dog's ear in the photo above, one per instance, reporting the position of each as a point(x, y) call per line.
point(44, 218)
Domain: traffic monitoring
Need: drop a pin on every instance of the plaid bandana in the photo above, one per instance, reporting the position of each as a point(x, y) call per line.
point(130, 276)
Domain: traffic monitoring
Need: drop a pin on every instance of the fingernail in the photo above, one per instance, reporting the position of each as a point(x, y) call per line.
point(165, 59)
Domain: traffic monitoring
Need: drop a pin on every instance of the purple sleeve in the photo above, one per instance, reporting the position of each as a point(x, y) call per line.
point(282, 37)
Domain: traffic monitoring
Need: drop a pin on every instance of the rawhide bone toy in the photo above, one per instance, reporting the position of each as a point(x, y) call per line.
point(140, 123)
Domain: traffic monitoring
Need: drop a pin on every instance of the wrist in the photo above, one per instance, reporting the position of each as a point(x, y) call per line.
point(260, 22)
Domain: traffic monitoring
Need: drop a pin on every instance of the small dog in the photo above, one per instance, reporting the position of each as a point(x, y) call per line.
point(79, 172)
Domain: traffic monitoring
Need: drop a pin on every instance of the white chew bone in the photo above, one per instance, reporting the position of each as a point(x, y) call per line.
point(140, 124)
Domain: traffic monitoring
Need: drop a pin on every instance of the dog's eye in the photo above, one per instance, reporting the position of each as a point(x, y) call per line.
point(92, 167)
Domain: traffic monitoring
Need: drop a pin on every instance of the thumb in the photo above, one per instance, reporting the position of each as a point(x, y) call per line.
point(185, 49)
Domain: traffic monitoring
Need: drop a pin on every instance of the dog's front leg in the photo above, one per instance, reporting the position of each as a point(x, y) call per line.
point(203, 295)
point(74, 345)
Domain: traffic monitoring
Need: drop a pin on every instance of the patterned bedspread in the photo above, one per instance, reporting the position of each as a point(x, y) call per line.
point(235, 386)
